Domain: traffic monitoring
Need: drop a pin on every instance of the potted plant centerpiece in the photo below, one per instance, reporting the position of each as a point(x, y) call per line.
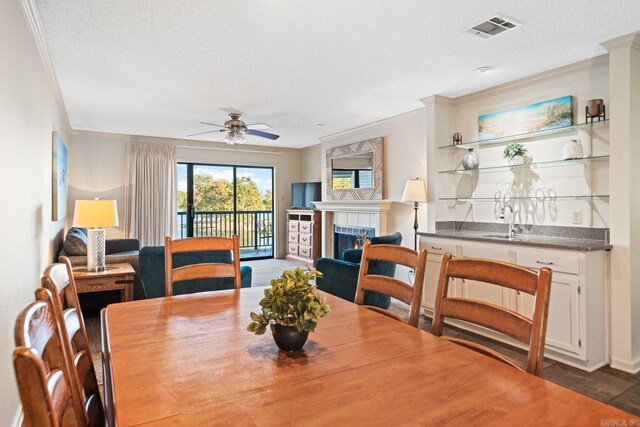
point(291, 308)
point(515, 153)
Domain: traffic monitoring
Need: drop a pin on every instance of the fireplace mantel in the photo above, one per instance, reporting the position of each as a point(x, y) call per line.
point(365, 206)
point(352, 213)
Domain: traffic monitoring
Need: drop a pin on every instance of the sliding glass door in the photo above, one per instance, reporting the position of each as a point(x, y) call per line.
point(221, 200)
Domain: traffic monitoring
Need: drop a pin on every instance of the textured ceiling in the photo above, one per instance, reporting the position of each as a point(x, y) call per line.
point(159, 67)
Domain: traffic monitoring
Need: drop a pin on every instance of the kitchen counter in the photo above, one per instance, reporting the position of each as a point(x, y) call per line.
point(575, 244)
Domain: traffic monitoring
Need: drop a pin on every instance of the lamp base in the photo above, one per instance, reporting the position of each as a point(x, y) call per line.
point(95, 249)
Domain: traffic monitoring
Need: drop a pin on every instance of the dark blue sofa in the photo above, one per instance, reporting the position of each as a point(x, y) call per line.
point(152, 267)
point(340, 276)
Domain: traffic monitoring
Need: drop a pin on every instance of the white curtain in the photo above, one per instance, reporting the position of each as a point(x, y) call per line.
point(150, 193)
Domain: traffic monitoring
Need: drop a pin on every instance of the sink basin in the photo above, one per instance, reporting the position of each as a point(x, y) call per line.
point(496, 236)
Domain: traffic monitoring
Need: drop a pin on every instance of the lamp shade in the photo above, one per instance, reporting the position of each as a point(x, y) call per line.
point(415, 190)
point(95, 213)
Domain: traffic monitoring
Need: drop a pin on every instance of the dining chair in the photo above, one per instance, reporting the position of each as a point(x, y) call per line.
point(405, 292)
point(58, 279)
point(205, 270)
point(528, 331)
point(46, 383)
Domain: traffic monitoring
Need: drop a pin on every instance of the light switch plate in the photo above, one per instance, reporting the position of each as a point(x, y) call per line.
point(577, 217)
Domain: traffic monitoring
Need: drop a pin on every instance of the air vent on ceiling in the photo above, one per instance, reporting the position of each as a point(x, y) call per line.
point(493, 26)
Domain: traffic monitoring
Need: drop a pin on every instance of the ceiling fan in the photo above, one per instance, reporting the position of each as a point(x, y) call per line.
point(236, 130)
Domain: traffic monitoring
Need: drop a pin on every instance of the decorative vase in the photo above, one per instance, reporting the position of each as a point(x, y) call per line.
point(516, 160)
point(594, 107)
point(572, 150)
point(288, 338)
point(470, 160)
point(457, 138)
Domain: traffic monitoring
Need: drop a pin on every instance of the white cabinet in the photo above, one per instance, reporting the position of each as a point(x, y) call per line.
point(303, 235)
point(435, 249)
point(577, 318)
point(484, 291)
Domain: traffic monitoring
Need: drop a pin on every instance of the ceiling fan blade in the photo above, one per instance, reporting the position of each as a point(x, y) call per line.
point(209, 131)
point(258, 126)
point(213, 124)
point(262, 134)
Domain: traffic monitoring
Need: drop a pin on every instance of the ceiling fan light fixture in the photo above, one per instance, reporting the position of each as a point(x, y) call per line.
point(240, 139)
point(230, 138)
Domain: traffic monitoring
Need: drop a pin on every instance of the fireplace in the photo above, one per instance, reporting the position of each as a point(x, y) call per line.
point(345, 237)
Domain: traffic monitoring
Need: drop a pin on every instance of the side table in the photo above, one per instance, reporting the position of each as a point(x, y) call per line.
point(115, 277)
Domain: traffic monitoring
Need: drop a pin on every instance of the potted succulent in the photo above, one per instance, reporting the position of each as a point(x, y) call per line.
point(515, 153)
point(291, 308)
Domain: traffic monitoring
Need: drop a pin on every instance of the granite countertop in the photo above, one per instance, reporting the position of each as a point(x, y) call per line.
point(523, 240)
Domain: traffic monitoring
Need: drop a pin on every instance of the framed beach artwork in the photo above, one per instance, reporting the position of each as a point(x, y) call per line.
point(59, 179)
point(551, 114)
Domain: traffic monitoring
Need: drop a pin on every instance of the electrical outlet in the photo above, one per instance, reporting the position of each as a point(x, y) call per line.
point(577, 217)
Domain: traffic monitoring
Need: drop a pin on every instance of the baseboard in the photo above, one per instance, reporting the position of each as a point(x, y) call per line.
point(633, 366)
point(18, 419)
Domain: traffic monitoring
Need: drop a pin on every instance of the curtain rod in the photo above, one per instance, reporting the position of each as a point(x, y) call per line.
point(275, 153)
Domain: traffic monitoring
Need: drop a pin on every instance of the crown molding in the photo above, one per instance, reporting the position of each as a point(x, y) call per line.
point(631, 40)
point(32, 18)
point(389, 120)
point(437, 99)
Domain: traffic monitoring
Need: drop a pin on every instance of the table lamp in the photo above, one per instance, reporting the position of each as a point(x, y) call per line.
point(94, 215)
point(415, 190)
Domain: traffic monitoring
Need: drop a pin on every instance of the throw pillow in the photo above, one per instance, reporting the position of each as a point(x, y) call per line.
point(76, 241)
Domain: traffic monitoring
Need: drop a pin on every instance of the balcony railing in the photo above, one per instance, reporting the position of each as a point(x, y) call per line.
point(254, 228)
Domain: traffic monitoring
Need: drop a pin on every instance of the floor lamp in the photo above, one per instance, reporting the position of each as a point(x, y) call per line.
point(94, 215)
point(415, 190)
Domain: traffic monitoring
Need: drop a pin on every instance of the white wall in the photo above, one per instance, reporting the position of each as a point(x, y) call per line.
point(29, 112)
point(405, 153)
point(312, 163)
point(97, 168)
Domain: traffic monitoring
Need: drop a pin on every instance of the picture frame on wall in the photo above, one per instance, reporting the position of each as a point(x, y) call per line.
point(59, 182)
point(545, 115)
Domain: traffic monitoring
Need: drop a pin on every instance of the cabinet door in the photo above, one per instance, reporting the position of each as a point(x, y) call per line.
point(563, 322)
point(431, 277)
point(484, 291)
point(435, 250)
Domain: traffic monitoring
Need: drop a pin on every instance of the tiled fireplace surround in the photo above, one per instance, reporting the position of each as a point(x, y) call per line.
point(352, 213)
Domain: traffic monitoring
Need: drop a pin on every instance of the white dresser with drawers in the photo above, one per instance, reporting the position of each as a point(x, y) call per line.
point(303, 235)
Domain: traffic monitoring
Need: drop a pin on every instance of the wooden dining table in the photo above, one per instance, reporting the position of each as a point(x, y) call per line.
point(189, 360)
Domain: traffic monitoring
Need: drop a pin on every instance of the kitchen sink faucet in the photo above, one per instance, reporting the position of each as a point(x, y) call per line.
point(513, 228)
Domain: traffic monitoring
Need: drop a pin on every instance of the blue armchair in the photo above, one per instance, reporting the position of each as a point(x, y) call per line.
point(152, 266)
point(340, 276)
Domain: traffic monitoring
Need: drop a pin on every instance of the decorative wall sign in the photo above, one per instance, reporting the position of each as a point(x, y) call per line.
point(374, 146)
point(59, 179)
point(551, 114)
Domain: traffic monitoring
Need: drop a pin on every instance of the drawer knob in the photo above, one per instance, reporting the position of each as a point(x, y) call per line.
point(544, 262)
point(436, 249)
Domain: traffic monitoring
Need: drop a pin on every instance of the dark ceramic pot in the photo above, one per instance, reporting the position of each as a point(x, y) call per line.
point(288, 338)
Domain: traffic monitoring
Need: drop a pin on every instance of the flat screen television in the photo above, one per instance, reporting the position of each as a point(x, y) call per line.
point(303, 193)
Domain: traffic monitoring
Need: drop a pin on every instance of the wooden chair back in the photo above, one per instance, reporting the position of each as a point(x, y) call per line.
point(46, 383)
point(531, 332)
point(405, 292)
point(202, 270)
point(58, 279)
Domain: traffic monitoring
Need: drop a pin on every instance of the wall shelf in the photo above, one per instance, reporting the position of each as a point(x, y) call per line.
point(528, 137)
point(541, 199)
point(534, 165)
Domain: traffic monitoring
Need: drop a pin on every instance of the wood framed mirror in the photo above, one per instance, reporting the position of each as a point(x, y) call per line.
point(355, 171)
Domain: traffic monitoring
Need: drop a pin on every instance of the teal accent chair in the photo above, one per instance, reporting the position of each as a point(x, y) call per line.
point(153, 277)
point(340, 276)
